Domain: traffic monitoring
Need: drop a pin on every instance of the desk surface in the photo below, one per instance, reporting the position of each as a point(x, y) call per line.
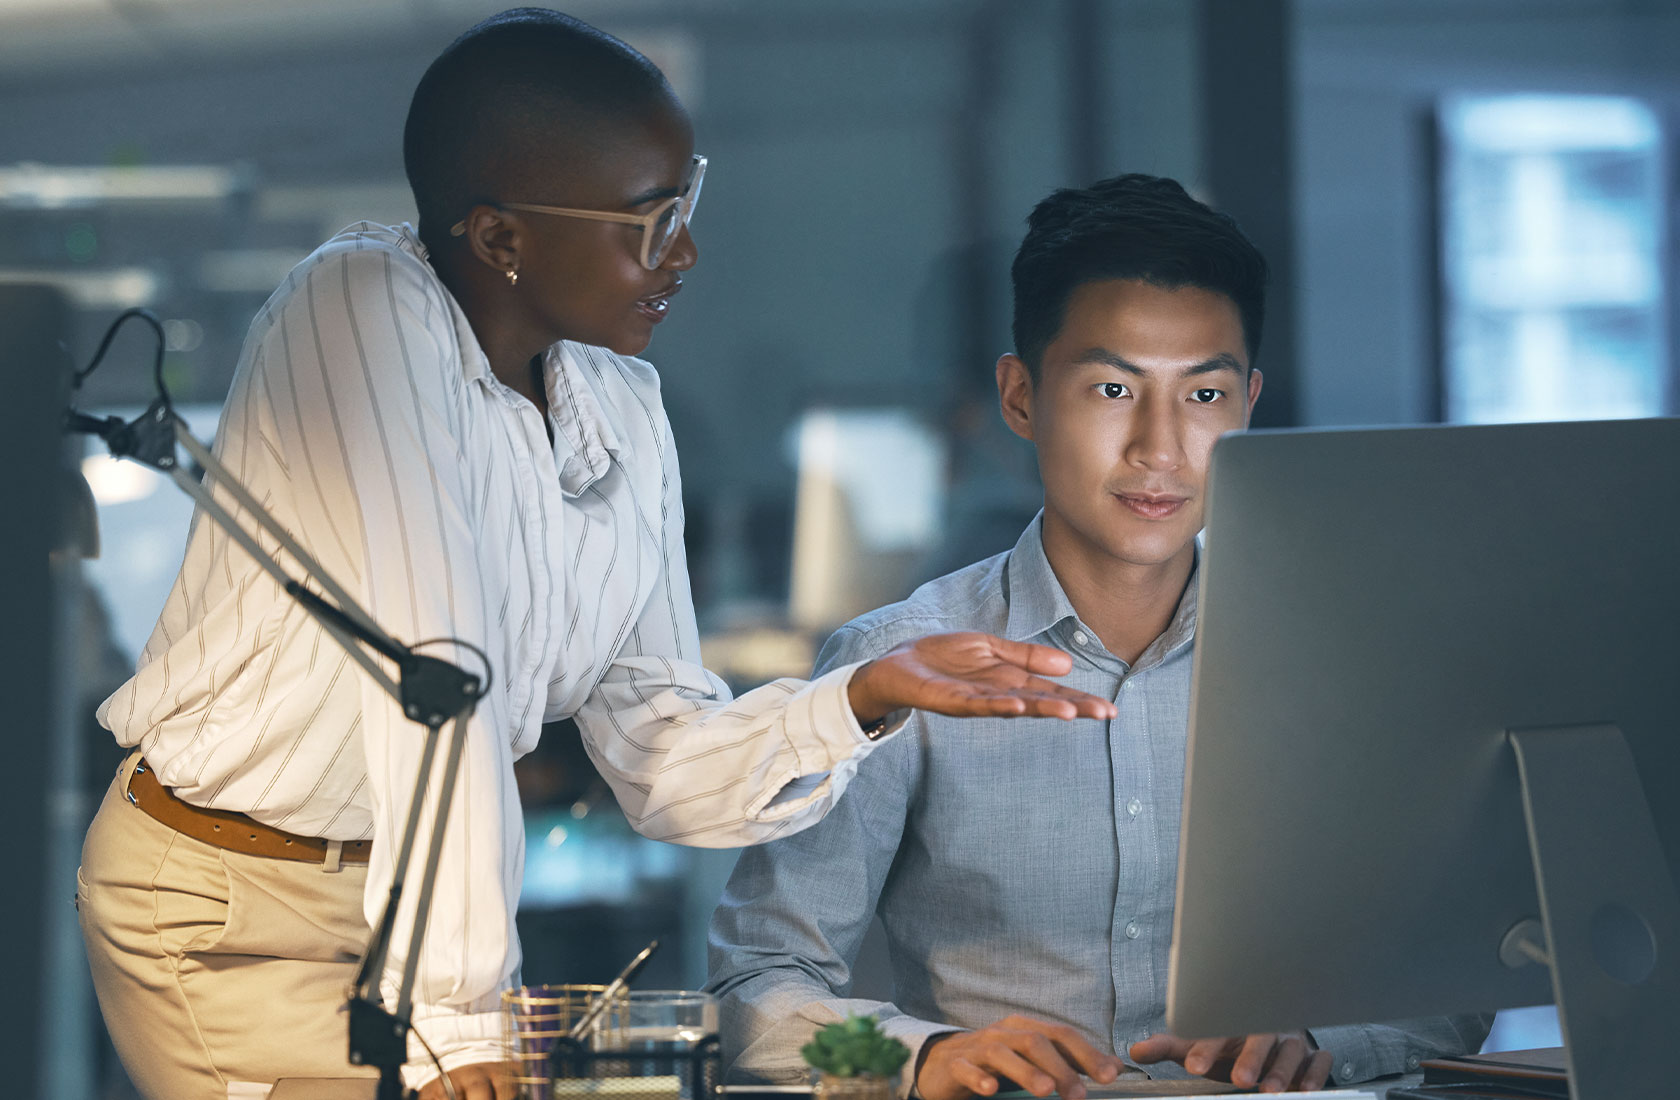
point(1136, 1088)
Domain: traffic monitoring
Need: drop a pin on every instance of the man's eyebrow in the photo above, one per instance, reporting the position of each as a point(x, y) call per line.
point(1224, 361)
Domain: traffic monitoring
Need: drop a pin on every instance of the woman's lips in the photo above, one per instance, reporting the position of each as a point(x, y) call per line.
point(1150, 506)
point(655, 306)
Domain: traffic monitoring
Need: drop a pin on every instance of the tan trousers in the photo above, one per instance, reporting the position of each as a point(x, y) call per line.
point(217, 972)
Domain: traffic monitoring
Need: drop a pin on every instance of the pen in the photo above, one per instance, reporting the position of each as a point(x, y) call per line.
point(614, 988)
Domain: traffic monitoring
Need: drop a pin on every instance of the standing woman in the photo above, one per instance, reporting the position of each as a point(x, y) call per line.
point(452, 423)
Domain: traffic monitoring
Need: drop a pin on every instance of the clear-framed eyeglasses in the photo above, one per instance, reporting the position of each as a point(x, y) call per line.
point(661, 226)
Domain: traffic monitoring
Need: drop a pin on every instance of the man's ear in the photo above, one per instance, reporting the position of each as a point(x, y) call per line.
point(1254, 381)
point(1015, 394)
point(494, 237)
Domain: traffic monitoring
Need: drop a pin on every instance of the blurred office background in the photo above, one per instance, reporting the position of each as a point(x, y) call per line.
point(1468, 205)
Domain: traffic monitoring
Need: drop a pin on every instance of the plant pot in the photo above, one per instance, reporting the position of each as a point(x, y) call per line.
point(864, 1087)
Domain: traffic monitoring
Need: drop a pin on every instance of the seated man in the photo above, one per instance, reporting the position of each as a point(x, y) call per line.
point(1025, 883)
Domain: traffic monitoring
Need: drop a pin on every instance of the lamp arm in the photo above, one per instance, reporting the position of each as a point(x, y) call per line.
point(430, 691)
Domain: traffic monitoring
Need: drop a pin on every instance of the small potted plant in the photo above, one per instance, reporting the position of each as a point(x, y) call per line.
point(855, 1061)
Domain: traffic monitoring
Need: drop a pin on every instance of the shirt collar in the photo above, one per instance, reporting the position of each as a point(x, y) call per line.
point(1182, 630)
point(1036, 599)
point(578, 415)
point(1037, 602)
point(474, 365)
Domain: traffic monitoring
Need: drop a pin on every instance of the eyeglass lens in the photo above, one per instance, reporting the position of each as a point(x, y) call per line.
point(667, 229)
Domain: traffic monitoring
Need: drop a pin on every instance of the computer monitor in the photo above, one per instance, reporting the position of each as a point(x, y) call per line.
point(1431, 662)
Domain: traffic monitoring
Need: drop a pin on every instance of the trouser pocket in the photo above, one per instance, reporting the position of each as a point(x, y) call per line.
point(290, 910)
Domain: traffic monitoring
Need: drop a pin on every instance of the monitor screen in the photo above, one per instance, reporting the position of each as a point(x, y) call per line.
point(1390, 620)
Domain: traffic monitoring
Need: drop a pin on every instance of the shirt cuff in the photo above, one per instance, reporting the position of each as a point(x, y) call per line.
point(913, 1033)
point(832, 708)
point(1354, 1057)
point(827, 743)
point(459, 1038)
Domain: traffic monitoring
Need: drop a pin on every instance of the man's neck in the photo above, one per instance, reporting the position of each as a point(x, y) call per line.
point(1128, 604)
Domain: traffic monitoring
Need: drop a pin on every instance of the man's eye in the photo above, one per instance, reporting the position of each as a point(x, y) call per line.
point(1113, 389)
point(1206, 397)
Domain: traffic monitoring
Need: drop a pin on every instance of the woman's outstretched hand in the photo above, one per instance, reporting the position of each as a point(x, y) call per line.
point(970, 675)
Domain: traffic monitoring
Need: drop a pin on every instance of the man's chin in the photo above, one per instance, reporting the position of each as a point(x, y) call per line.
point(1160, 550)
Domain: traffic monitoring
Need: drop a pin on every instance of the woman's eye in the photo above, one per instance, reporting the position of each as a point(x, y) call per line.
point(1113, 390)
point(1206, 397)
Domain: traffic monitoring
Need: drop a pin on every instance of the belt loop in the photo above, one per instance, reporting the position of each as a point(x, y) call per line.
point(132, 763)
point(335, 851)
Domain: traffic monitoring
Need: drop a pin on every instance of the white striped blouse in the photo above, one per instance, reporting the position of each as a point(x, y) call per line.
point(365, 417)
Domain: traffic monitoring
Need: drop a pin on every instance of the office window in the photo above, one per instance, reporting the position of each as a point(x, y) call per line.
point(1554, 303)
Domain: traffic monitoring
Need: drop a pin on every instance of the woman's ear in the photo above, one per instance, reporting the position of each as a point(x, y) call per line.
point(494, 237)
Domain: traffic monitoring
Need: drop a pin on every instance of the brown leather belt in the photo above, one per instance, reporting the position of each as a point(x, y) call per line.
point(232, 831)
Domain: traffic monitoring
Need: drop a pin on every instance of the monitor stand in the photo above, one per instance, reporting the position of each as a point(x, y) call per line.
point(1610, 911)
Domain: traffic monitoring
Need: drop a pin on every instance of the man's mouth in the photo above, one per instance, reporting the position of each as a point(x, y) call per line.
point(655, 306)
point(1151, 505)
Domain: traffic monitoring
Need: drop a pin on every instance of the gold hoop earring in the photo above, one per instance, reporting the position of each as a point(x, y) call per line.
point(512, 274)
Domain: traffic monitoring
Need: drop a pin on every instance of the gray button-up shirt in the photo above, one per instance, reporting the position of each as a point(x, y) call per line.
point(1018, 866)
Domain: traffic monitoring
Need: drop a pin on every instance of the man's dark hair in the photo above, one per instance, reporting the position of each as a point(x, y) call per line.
point(510, 103)
point(1129, 227)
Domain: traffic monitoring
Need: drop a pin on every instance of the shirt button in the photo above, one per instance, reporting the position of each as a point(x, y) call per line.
point(1134, 807)
point(1125, 685)
point(1132, 930)
point(1347, 1073)
point(1412, 1061)
point(1080, 637)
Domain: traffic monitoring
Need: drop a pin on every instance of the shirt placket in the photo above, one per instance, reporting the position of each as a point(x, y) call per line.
point(1133, 965)
point(1130, 962)
point(536, 475)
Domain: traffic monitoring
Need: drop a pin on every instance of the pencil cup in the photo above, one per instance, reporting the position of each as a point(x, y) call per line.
point(667, 1050)
point(536, 1017)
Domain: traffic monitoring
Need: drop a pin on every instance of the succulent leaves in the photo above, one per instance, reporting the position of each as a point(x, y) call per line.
point(855, 1048)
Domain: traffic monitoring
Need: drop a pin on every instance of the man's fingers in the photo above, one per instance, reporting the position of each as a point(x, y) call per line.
point(1084, 1057)
point(1024, 1071)
point(1252, 1058)
point(1289, 1055)
point(1048, 1051)
point(972, 1077)
point(1205, 1054)
point(1093, 1063)
point(1317, 1073)
point(1271, 1063)
point(1018, 1051)
point(1159, 1047)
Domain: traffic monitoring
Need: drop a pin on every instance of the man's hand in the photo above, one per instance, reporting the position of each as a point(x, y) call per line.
point(1268, 1063)
point(971, 675)
point(1035, 1054)
point(478, 1081)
